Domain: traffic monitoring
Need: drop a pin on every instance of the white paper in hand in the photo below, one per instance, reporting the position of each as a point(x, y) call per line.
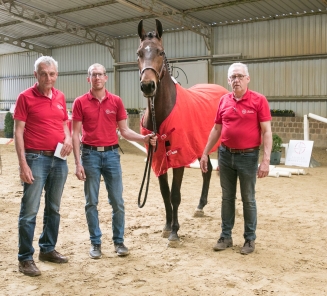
point(57, 152)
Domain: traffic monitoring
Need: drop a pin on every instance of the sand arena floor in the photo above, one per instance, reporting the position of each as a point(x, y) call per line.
point(290, 256)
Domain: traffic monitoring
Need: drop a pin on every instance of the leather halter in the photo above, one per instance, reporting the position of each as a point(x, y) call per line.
point(158, 74)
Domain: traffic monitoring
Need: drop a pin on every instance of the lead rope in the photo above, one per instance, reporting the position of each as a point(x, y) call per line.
point(148, 164)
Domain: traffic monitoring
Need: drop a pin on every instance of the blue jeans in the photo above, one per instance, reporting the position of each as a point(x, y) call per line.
point(244, 166)
point(107, 164)
point(50, 174)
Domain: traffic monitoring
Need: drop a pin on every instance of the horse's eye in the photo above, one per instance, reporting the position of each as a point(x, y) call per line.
point(162, 53)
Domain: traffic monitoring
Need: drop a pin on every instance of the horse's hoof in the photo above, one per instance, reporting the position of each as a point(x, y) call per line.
point(165, 233)
point(198, 213)
point(174, 241)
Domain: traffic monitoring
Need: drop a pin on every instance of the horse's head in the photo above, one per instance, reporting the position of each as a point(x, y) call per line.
point(151, 59)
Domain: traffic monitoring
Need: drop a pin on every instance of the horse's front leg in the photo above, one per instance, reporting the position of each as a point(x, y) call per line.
point(175, 198)
point(165, 192)
point(205, 189)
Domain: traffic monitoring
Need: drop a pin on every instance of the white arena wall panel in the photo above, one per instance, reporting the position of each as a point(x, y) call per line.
point(19, 64)
point(80, 57)
point(11, 88)
point(130, 91)
point(127, 49)
point(184, 44)
point(273, 38)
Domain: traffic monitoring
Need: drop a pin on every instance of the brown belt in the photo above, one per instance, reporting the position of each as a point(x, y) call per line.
point(233, 150)
point(42, 152)
point(100, 148)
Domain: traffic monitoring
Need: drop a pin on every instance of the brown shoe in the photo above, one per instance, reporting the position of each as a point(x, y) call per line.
point(248, 247)
point(28, 268)
point(53, 256)
point(223, 243)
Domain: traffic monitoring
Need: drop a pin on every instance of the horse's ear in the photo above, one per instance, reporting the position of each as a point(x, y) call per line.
point(158, 29)
point(140, 30)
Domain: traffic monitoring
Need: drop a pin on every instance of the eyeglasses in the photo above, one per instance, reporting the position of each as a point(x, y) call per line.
point(239, 77)
point(95, 75)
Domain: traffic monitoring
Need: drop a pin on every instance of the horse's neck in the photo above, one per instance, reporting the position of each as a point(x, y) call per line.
point(164, 102)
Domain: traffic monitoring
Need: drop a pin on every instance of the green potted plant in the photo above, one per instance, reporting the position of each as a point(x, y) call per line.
point(283, 113)
point(9, 125)
point(276, 150)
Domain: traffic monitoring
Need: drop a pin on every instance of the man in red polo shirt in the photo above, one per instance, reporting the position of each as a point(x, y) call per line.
point(97, 114)
point(40, 124)
point(243, 119)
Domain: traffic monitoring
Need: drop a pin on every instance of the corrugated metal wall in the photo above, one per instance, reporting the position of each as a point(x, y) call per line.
point(296, 83)
point(79, 58)
point(284, 37)
point(130, 90)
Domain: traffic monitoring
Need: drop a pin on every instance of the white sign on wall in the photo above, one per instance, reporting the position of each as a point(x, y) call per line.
point(299, 153)
point(188, 74)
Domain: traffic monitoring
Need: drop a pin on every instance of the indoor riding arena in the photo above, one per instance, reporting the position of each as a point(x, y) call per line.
point(284, 45)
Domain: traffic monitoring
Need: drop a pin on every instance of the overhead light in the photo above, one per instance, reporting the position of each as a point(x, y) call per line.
point(27, 21)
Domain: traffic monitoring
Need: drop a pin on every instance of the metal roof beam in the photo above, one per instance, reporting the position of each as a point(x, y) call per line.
point(24, 44)
point(42, 19)
point(172, 14)
point(10, 24)
point(40, 35)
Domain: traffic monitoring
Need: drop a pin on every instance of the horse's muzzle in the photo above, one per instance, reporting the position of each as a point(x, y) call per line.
point(148, 88)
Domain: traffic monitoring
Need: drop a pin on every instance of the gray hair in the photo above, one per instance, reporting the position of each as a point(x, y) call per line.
point(45, 60)
point(93, 66)
point(238, 65)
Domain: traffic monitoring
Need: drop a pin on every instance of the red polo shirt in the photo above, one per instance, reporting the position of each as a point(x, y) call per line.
point(241, 119)
point(99, 119)
point(43, 118)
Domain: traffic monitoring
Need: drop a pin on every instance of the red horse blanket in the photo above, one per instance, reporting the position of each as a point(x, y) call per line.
point(183, 135)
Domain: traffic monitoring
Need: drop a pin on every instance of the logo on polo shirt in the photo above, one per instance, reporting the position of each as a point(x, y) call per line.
point(247, 111)
point(60, 107)
point(108, 112)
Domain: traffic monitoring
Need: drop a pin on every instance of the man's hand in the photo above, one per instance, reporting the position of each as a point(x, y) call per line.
point(25, 174)
point(263, 169)
point(67, 147)
point(80, 173)
point(150, 139)
point(204, 163)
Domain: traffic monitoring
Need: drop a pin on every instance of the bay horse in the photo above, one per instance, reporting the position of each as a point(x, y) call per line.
point(182, 119)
